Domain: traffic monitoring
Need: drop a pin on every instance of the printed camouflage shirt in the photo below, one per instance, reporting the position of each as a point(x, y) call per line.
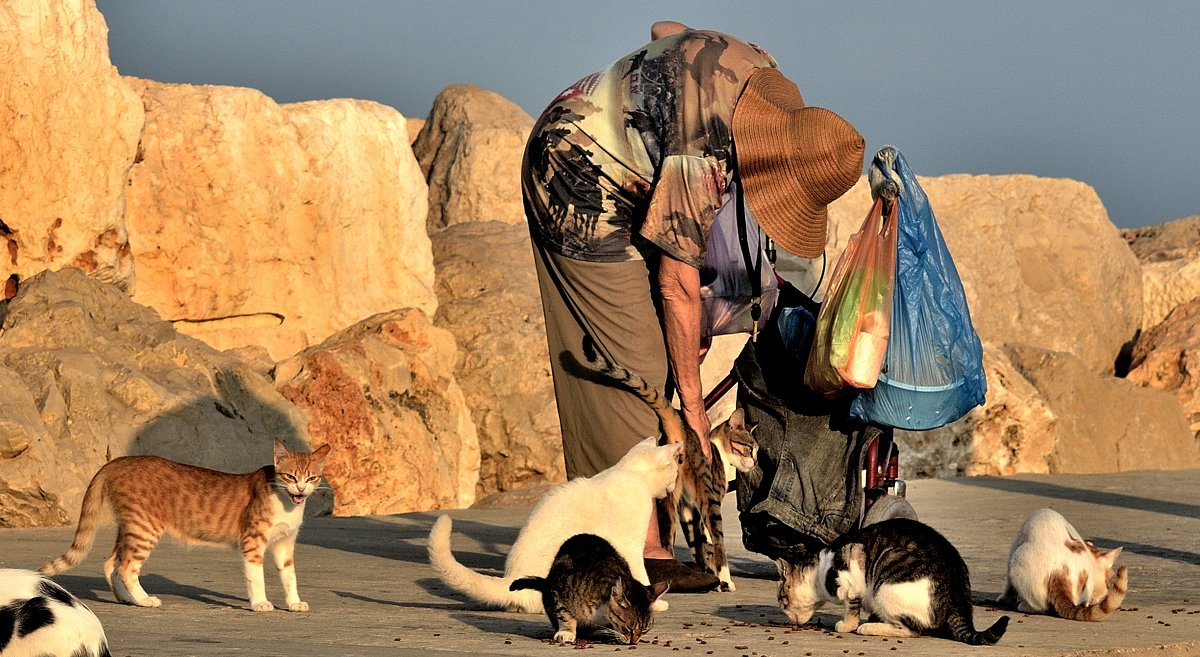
point(639, 152)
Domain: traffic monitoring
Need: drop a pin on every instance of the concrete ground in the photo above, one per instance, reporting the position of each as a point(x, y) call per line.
point(373, 593)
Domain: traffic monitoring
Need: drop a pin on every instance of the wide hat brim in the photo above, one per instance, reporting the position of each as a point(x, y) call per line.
point(793, 161)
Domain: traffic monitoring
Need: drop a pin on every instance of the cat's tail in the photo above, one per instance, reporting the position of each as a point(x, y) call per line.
point(962, 628)
point(1063, 601)
point(672, 425)
point(534, 583)
point(85, 533)
point(484, 588)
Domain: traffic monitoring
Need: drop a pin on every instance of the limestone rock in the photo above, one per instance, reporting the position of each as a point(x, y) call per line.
point(67, 140)
point(488, 298)
point(1167, 285)
point(1170, 257)
point(383, 393)
point(1046, 413)
point(470, 150)
point(86, 375)
point(1167, 357)
point(256, 223)
point(1013, 432)
point(413, 126)
point(1039, 260)
point(1171, 240)
point(1106, 424)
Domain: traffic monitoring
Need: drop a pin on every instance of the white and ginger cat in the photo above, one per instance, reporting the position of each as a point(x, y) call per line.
point(614, 505)
point(1052, 569)
point(40, 618)
point(257, 511)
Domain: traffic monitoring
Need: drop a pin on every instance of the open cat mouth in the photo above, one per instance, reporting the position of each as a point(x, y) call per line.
point(297, 499)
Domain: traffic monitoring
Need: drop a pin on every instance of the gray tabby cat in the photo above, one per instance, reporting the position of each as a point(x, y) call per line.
point(701, 485)
point(589, 582)
point(908, 577)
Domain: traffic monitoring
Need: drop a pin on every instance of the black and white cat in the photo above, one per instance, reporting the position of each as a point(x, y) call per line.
point(906, 576)
point(40, 618)
point(591, 586)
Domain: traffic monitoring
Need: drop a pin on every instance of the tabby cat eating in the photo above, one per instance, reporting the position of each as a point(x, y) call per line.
point(590, 585)
point(150, 496)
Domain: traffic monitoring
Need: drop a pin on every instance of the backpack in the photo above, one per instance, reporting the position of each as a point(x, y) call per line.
point(736, 274)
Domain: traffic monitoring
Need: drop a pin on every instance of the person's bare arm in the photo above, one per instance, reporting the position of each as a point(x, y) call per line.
point(663, 29)
point(679, 284)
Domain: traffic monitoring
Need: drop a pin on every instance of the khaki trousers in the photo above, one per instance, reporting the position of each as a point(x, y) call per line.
point(613, 303)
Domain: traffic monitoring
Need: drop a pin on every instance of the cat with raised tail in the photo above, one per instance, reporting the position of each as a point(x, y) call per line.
point(150, 496)
point(590, 586)
point(696, 500)
point(905, 575)
point(614, 504)
point(1052, 569)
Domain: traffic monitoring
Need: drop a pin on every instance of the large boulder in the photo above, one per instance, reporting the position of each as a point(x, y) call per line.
point(69, 129)
point(488, 298)
point(1170, 257)
point(1047, 412)
point(1039, 259)
point(276, 225)
point(87, 375)
point(1015, 431)
point(1167, 357)
point(383, 393)
point(470, 149)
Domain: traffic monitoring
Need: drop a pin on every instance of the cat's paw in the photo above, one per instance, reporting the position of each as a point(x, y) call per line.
point(845, 626)
point(563, 636)
point(265, 605)
point(659, 605)
point(149, 601)
point(298, 606)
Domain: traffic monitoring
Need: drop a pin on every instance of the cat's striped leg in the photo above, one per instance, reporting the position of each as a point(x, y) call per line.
point(566, 627)
point(850, 621)
point(254, 548)
point(134, 550)
point(283, 553)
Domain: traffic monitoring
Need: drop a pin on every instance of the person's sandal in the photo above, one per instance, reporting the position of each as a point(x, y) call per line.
point(680, 577)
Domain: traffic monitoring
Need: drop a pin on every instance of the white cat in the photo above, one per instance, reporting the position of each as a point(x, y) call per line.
point(1051, 569)
point(39, 617)
point(614, 505)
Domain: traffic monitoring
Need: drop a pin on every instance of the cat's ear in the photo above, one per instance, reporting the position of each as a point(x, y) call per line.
point(281, 451)
point(1109, 557)
point(657, 589)
point(321, 452)
point(784, 567)
point(737, 419)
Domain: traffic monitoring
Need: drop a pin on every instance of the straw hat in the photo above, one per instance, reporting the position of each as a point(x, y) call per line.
point(793, 160)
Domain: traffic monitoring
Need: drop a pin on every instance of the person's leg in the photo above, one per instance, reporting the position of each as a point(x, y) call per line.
point(611, 303)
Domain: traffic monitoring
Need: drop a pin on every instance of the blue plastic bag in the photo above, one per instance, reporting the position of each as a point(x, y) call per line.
point(933, 370)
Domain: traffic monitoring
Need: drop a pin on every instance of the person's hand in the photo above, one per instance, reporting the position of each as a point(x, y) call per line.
point(697, 419)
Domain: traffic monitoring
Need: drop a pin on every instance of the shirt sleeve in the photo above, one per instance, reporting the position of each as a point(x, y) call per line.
point(682, 206)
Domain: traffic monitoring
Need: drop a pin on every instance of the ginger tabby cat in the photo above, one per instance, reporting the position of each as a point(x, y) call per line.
point(257, 511)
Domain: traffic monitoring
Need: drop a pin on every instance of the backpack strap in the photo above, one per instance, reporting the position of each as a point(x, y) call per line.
point(753, 265)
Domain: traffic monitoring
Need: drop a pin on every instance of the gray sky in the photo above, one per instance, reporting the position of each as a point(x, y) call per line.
point(1104, 92)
